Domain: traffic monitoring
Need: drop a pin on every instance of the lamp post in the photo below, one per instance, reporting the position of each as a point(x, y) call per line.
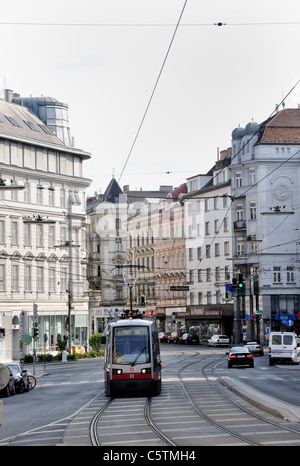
point(69, 245)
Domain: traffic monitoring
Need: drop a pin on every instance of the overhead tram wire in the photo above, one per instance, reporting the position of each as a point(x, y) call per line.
point(153, 91)
point(143, 25)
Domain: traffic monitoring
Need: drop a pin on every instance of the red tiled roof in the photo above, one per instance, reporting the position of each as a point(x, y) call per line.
point(283, 128)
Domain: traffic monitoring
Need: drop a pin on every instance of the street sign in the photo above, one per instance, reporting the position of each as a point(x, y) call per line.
point(179, 288)
point(26, 339)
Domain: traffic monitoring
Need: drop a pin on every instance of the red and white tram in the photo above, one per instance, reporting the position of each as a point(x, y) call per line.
point(132, 355)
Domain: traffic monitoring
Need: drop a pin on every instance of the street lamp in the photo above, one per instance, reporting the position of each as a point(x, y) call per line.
point(68, 244)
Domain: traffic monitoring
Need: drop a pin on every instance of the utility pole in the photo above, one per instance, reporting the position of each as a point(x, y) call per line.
point(35, 333)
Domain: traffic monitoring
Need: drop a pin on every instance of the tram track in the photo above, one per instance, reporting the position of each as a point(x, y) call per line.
point(170, 416)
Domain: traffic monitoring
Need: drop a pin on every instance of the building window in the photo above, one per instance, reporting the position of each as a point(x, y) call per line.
point(64, 279)
point(52, 280)
point(227, 273)
point(40, 279)
point(239, 212)
point(277, 274)
point(28, 280)
point(290, 275)
point(252, 206)
point(208, 275)
point(208, 251)
point(2, 277)
point(27, 234)
point(207, 228)
point(217, 249)
point(199, 275)
point(2, 225)
point(62, 197)
point(226, 248)
point(226, 224)
point(238, 180)
point(15, 278)
point(14, 233)
point(251, 174)
point(216, 224)
point(39, 236)
point(51, 236)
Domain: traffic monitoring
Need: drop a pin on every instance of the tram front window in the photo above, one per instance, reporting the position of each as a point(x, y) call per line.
point(130, 345)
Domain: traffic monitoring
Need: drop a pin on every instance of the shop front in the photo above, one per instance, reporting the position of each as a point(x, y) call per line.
point(52, 327)
point(209, 320)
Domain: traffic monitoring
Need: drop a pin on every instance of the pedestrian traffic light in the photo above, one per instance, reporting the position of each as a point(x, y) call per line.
point(234, 282)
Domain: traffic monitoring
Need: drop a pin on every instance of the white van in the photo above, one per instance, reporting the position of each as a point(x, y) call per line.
point(283, 346)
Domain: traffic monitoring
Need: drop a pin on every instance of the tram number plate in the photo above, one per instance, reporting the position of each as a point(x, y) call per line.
point(131, 376)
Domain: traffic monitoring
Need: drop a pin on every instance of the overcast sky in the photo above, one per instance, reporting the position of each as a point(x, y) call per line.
point(105, 68)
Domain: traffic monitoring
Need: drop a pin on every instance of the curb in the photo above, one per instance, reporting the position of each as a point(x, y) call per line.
point(267, 403)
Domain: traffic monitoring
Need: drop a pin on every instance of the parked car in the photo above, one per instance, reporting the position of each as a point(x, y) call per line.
point(163, 337)
point(240, 356)
point(255, 348)
point(219, 340)
point(10, 388)
point(21, 377)
point(174, 337)
point(189, 338)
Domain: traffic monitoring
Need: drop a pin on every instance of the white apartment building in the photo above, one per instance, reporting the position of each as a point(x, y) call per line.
point(209, 249)
point(265, 186)
point(40, 262)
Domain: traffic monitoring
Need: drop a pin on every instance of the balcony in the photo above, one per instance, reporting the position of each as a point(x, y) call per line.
point(239, 225)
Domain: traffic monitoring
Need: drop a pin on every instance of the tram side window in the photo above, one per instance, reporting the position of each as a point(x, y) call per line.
point(155, 348)
point(107, 347)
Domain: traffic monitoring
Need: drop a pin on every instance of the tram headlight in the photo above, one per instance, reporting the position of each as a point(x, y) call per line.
point(146, 370)
point(117, 372)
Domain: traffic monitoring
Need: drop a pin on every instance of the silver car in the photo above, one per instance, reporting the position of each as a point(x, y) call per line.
point(219, 340)
point(255, 348)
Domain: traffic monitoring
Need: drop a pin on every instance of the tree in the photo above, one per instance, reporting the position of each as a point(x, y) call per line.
point(62, 344)
point(95, 341)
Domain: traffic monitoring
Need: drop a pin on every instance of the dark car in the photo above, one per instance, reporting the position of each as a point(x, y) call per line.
point(255, 348)
point(189, 338)
point(10, 388)
point(174, 337)
point(240, 356)
point(163, 337)
point(21, 377)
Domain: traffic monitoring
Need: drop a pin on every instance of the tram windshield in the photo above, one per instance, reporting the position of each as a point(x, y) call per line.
point(130, 345)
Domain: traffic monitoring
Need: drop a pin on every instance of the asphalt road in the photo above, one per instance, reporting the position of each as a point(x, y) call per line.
point(64, 389)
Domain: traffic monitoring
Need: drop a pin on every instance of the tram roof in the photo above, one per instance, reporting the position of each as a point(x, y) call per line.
point(132, 322)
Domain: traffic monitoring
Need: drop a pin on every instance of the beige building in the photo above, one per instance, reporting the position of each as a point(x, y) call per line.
point(42, 234)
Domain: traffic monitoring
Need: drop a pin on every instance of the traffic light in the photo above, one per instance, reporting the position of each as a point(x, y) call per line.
point(35, 330)
point(143, 300)
point(240, 280)
point(228, 296)
point(234, 282)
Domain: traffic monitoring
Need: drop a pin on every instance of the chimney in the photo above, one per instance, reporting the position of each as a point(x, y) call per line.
point(8, 95)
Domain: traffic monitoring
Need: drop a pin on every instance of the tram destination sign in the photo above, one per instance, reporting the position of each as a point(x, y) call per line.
point(179, 288)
